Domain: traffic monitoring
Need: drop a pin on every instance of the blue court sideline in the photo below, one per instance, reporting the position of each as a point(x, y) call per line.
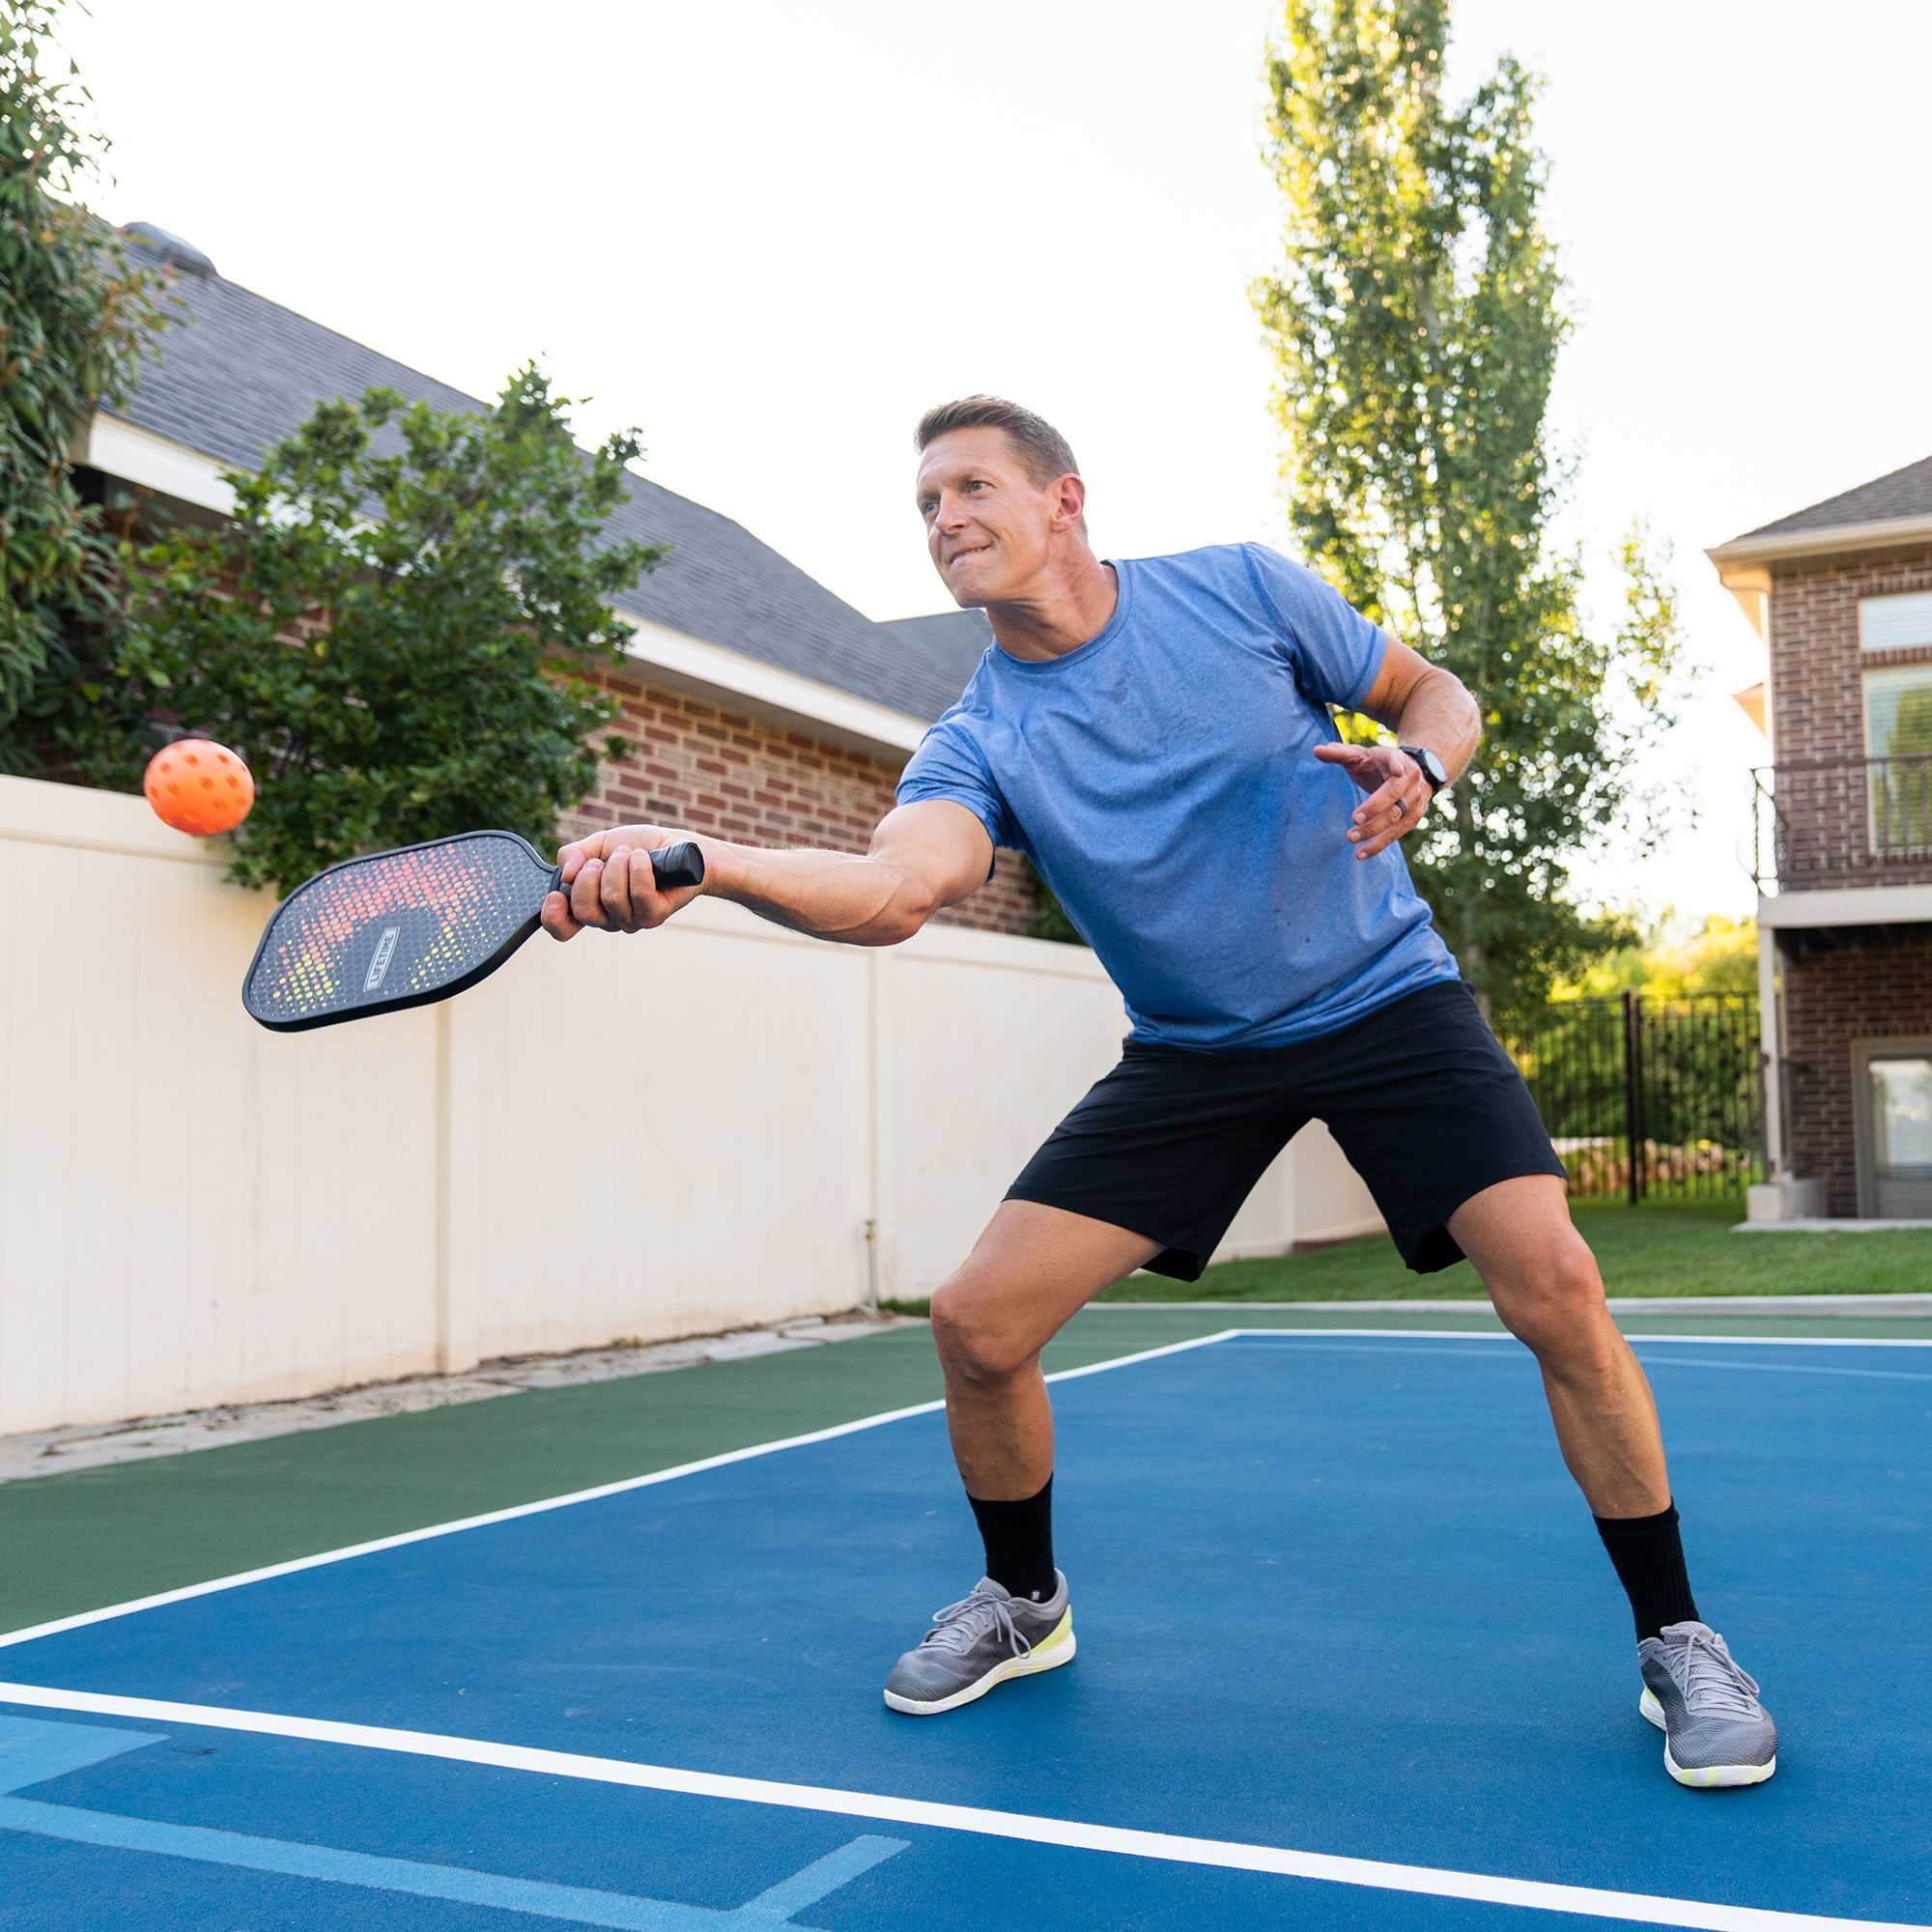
point(1413, 1653)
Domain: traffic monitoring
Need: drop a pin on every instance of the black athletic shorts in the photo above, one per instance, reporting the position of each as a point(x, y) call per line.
point(1420, 1097)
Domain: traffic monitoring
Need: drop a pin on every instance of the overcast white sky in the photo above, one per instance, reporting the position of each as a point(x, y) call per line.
point(770, 234)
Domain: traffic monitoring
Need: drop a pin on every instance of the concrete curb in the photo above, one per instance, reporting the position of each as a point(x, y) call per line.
point(91, 1445)
point(1747, 1307)
point(1825, 1227)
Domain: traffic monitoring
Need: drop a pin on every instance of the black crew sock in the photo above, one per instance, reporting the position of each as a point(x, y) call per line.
point(1019, 1543)
point(1649, 1555)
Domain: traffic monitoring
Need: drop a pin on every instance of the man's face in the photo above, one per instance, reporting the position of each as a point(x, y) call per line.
point(987, 526)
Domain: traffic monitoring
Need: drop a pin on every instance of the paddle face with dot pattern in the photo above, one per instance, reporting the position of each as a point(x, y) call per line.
point(402, 928)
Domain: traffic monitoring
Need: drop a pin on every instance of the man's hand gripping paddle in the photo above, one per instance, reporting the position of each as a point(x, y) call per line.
point(403, 929)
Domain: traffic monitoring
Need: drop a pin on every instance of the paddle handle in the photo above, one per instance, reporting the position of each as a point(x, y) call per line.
point(673, 867)
point(680, 865)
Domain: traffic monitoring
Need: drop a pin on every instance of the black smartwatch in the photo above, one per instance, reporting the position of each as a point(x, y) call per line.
point(1432, 768)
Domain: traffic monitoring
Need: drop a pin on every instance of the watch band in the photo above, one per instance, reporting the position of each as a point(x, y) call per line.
point(1434, 773)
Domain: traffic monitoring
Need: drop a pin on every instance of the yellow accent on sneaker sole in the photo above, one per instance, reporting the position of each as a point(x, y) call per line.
point(1053, 1650)
point(1706, 1777)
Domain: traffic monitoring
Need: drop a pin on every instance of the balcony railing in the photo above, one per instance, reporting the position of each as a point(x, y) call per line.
point(1827, 822)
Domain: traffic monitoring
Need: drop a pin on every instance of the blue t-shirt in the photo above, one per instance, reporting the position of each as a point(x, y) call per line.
point(1162, 780)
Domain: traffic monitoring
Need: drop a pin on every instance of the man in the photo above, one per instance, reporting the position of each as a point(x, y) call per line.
point(1155, 735)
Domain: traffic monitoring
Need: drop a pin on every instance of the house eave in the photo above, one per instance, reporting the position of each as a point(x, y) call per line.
point(1828, 540)
point(1847, 905)
point(672, 658)
point(699, 669)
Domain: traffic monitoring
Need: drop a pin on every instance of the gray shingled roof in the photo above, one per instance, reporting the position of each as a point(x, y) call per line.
point(238, 372)
point(1904, 493)
point(950, 643)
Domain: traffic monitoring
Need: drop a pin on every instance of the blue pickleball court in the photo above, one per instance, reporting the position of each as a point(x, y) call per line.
point(1350, 1657)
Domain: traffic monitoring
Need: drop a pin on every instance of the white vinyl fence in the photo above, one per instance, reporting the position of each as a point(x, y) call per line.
point(669, 1134)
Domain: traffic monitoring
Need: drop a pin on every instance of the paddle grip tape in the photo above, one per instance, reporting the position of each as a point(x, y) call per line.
point(672, 866)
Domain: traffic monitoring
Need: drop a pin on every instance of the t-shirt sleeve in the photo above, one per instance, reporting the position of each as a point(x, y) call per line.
point(947, 765)
point(1332, 649)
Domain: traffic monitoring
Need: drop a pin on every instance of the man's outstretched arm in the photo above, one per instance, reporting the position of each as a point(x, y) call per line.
point(924, 855)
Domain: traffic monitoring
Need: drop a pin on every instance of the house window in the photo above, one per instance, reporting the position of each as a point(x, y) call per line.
point(1896, 1182)
point(1898, 748)
point(1895, 623)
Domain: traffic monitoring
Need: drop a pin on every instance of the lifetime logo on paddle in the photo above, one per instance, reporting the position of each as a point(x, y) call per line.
point(385, 950)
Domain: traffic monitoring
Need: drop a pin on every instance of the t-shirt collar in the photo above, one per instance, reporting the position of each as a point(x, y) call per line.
point(1099, 642)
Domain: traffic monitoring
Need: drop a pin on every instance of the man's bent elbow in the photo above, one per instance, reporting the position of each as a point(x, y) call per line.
point(913, 905)
point(910, 906)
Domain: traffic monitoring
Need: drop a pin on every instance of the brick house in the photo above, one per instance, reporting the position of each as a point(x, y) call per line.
point(1842, 595)
point(758, 705)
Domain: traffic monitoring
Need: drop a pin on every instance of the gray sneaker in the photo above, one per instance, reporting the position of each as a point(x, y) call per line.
point(1715, 1730)
point(978, 1642)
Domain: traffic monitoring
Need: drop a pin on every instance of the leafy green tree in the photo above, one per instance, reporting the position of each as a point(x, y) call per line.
point(74, 318)
point(1049, 918)
point(1719, 958)
point(1415, 322)
point(392, 629)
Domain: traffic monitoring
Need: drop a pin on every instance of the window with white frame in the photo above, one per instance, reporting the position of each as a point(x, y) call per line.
point(1898, 748)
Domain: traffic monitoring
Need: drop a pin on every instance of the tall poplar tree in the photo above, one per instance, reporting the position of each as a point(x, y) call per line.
point(1417, 320)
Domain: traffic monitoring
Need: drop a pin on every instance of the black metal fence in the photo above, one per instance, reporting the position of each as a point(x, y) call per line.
point(1646, 1099)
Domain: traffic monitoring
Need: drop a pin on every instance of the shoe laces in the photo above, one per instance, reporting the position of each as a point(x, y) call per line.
point(959, 1626)
point(1715, 1685)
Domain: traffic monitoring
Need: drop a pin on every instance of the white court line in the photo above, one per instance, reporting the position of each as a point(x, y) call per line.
point(396, 1542)
point(259, 1575)
point(1502, 1335)
point(1362, 1339)
point(1790, 1368)
point(1888, 1305)
point(1400, 1348)
point(1487, 1888)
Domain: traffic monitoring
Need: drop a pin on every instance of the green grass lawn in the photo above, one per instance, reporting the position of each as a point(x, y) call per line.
point(1656, 1249)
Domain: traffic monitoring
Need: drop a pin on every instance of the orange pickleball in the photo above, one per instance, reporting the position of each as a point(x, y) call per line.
point(197, 785)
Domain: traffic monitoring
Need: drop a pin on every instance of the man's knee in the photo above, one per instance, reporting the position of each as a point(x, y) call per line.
point(1552, 1301)
point(975, 1344)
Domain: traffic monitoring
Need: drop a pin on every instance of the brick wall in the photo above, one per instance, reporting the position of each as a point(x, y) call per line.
point(1865, 982)
point(710, 770)
point(1818, 714)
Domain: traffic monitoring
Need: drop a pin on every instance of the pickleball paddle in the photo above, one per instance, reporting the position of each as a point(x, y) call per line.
point(402, 928)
